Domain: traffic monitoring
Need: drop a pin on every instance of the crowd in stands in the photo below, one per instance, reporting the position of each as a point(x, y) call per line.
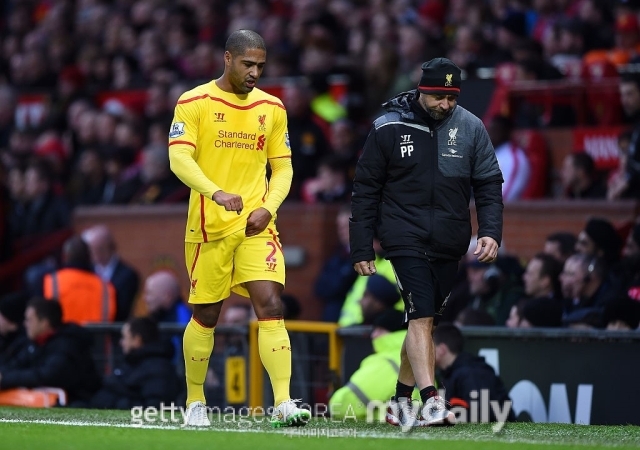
point(66, 141)
point(590, 280)
point(70, 138)
point(43, 341)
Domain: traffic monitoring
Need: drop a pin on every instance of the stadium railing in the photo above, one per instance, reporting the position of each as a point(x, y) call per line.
point(236, 377)
point(551, 374)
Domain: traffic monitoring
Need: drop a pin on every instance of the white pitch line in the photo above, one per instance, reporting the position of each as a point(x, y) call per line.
point(80, 423)
point(290, 432)
point(300, 432)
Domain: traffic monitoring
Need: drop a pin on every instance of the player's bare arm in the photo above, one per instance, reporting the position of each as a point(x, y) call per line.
point(487, 249)
point(257, 222)
point(365, 268)
point(231, 202)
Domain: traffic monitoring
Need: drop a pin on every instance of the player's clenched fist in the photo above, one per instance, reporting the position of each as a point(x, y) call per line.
point(231, 202)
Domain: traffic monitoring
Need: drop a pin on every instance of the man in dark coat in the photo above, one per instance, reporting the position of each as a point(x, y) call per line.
point(46, 211)
point(463, 373)
point(59, 355)
point(420, 164)
point(109, 266)
point(12, 334)
point(147, 377)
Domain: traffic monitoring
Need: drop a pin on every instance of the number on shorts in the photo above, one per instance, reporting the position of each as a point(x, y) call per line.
point(271, 261)
point(270, 257)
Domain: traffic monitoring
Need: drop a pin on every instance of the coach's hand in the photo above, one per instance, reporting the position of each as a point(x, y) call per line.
point(231, 202)
point(487, 248)
point(257, 222)
point(365, 268)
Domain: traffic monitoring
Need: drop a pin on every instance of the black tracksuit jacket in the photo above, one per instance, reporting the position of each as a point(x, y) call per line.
point(413, 182)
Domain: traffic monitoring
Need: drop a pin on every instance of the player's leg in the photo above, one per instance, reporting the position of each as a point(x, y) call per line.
point(425, 297)
point(406, 380)
point(273, 339)
point(404, 389)
point(210, 266)
point(259, 273)
point(275, 351)
point(434, 410)
point(417, 288)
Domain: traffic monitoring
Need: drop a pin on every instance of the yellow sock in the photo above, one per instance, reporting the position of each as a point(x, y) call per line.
point(197, 346)
point(275, 353)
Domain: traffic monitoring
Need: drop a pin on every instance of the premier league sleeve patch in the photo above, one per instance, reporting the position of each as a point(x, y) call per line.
point(177, 130)
point(286, 141)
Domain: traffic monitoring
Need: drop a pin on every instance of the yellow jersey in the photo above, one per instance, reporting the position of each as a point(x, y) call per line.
point(230, 138)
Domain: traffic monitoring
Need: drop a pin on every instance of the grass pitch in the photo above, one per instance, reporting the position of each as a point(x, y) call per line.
point(68, 429)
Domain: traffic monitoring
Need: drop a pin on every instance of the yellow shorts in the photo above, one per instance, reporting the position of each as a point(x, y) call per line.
point(216, 268)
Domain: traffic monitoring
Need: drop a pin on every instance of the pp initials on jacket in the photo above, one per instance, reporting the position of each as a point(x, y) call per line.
point(421, 178)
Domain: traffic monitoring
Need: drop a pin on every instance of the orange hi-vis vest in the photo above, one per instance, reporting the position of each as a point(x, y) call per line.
point(83, 296)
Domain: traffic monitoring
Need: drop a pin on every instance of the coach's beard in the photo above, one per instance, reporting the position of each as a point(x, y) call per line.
point(439, 114)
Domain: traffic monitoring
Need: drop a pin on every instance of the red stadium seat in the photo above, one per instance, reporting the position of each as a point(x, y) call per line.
point(537, 151)
point(506, 73)
point(598, 70)
point(601, 90)
point(504, 76)
point(573, 70)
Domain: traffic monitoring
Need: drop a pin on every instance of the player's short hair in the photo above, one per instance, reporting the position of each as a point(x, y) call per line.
point(242, 40)
point(47, 309)
point(449, 335)
point(146, 328)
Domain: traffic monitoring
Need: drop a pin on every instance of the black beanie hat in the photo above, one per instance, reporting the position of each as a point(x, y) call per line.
point(440, 76)
point(12, 307)
point(383, 290)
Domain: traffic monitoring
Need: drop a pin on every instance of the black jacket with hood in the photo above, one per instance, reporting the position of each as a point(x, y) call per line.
point(63, 360)
point(148, 378)
point(470, 373)
point(413, 184)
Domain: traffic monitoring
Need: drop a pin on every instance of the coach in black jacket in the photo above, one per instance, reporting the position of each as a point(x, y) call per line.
point(412, 189)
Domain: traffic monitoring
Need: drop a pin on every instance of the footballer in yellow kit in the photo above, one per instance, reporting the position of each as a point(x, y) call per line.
point(223, 135)
point(230, 139)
